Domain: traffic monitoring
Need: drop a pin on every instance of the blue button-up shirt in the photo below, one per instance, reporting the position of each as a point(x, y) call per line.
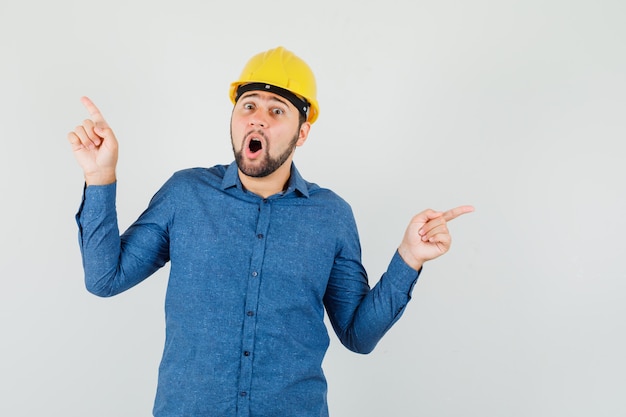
point(249, 280)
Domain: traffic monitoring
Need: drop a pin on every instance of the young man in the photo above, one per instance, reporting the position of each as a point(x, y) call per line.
point(257, 253)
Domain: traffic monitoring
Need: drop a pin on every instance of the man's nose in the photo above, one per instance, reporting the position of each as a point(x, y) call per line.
point(259, 119)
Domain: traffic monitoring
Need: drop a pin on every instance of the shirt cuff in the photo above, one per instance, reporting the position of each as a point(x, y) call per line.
point(97, 199)
point(402, 275)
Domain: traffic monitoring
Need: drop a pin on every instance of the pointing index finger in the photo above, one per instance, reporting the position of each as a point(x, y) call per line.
point(94, 112)
point(456, 212)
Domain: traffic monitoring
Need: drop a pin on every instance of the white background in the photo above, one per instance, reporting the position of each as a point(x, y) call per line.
point(516, 107)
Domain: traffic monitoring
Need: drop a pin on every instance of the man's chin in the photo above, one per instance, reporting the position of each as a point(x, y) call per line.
point(254, 170)
point(262, 167)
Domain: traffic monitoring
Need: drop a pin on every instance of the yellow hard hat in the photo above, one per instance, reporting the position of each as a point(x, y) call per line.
point(282, 72)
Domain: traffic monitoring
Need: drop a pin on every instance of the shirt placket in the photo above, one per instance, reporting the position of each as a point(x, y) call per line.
point(250, 312)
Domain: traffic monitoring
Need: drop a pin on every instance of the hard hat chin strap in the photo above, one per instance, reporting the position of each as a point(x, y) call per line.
point(299, 103)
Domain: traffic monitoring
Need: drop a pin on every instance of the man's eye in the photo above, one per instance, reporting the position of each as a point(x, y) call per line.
point(278, 111)
point(248, 106)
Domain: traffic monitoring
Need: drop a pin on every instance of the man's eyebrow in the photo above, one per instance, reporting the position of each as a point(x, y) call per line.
point(252, 94)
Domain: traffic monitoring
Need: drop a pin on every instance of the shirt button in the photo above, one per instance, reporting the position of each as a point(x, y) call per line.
point(250, 313)
point(246, 353)
point(254, 274)
point(260, 235)
point(243, 393)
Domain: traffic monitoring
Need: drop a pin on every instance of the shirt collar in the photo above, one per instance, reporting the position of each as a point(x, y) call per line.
point(296, 182)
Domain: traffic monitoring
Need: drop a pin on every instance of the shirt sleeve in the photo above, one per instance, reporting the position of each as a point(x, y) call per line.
point(114, 263)
point(359, 315)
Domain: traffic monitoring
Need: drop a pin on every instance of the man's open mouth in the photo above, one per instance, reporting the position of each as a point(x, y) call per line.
point(255, 145)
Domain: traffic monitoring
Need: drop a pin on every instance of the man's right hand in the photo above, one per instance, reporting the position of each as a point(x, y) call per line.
point(95, 147)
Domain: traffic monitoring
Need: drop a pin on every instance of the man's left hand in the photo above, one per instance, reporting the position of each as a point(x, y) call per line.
point(427, 236)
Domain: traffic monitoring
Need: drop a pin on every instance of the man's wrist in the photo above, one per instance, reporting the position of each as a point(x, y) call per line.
point(100, 179)
point(411, 261)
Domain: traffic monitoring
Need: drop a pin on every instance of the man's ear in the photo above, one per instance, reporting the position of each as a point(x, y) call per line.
point(304, 133)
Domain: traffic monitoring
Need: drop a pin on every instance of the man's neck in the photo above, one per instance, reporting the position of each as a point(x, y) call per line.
point(269, 185)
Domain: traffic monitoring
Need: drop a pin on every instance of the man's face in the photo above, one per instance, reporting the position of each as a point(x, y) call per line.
point(264, 131)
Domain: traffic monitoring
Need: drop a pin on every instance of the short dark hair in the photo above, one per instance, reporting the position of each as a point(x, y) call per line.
point(301, 120)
